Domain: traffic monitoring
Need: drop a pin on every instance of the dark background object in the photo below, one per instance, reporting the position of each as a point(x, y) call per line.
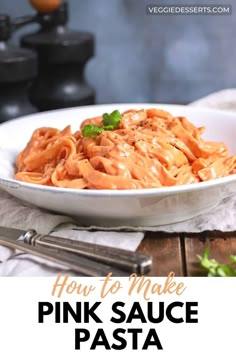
point(141, 58)
point(62, 56)
point(18, 67)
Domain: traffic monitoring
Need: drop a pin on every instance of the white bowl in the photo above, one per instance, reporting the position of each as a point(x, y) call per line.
point(148, 207)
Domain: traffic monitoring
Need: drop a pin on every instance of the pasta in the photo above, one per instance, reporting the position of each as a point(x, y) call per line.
point(148, 149)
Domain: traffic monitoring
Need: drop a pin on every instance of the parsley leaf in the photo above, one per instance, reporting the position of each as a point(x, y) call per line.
point(112, 119)
point(91, 130)
point(110, 122)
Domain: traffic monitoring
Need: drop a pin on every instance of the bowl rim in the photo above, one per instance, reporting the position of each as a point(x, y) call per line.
point(146, 192)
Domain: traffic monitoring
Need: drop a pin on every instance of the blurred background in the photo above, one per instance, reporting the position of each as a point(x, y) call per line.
point(143, 58)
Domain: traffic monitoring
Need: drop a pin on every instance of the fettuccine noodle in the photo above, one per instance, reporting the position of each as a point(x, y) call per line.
point(149, 149)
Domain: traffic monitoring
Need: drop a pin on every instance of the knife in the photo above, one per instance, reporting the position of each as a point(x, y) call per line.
point(121, 259)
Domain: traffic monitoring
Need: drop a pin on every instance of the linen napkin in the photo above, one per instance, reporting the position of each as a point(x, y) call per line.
point(17, 214)
point(14, 213)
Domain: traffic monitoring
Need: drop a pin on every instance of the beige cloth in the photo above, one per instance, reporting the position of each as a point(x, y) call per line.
point(14, 213)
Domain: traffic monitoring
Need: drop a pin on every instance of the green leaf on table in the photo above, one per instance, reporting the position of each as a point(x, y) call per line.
point(232, 258)
point(216, 269)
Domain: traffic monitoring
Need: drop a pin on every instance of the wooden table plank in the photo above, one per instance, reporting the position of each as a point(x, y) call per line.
point(166, 254)
point(220, 249)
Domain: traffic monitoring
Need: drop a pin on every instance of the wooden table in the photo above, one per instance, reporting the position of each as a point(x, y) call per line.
point(178, 252)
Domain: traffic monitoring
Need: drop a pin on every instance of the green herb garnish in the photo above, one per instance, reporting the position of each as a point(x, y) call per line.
point(112, 119)
point(216, 269)
point(108, 127)
point(110, 122)
point(91, 130)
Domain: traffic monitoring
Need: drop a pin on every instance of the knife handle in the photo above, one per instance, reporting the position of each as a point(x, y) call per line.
point(132, 262)
point(78, 264)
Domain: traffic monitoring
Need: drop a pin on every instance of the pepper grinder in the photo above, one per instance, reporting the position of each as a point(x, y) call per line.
point(62, 55)
point(18, 67)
